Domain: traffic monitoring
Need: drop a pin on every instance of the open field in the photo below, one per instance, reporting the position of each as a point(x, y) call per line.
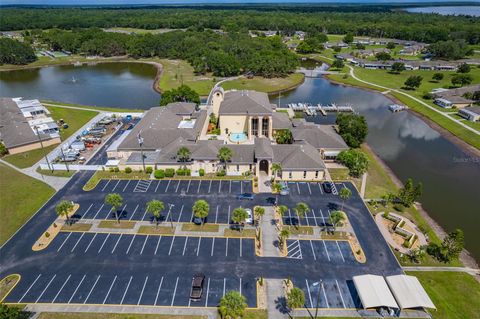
point(21, 196)
point(265, 85)
point(27, 159)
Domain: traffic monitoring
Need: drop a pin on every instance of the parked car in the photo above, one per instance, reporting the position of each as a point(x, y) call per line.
point(197, 220)
point(197, 287)
point(249, 219)
point(327, 187)
point(248, 196)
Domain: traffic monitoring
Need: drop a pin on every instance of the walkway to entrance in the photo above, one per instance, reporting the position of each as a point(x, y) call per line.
point(263, 182)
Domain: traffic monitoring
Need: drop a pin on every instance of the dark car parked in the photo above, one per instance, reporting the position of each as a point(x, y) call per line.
point(327, 187)
point(197, 287)
point(248, 196)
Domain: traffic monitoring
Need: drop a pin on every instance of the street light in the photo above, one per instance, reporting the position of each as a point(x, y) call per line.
point(41, 144)
point(140, 142)
point(64, 160)
point(169, 211)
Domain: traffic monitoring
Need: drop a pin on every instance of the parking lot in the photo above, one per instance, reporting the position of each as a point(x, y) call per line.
point(334, 251)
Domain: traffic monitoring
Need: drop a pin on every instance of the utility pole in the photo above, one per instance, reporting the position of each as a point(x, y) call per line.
point(41, 144)
point(140, 141)
point(63, 155)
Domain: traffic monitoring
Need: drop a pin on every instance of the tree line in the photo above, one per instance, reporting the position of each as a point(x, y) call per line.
point(285, 19)
point(15, 52)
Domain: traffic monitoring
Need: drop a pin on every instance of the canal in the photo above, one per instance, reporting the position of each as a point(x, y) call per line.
point(406, 143)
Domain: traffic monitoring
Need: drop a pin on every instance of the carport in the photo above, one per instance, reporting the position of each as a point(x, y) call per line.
point(409, 293)
point(373, 292)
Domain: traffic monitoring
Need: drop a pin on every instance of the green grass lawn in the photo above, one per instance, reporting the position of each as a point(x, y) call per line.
point(264, 84)
point(456, 295)
point(27, 159)
point(21, 196)
point(85, 315)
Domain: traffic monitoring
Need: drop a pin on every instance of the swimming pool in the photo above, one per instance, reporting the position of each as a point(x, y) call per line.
point(238, 137)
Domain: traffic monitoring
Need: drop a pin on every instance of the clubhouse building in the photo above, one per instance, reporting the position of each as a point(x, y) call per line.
point(244, 122)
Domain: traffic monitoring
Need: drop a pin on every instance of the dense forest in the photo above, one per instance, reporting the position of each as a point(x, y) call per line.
point(375, 22)
point(222, 54)
point(15, 52)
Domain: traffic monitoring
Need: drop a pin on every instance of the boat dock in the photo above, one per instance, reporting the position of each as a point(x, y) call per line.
point(313, 110)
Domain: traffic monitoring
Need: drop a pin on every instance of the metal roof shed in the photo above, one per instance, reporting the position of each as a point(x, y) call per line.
point(373, 292)
point(408, 292)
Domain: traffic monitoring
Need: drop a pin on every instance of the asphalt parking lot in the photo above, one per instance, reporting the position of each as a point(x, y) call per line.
point(334, 251)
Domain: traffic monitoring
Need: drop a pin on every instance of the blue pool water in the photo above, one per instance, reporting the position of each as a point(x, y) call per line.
point(238, 137)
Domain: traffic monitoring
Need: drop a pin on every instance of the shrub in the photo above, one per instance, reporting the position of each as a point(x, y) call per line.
point(116, 169)
point(180, 172)
point(128, 170)
point(358, 252)
point(169, 172)
point(427, 96)
point(149, 170)
point(221, 173)
point(188, 172)
point(111, 169)
point(201, 172)
point(398, 207)
point(159, 174)
point(47, 234)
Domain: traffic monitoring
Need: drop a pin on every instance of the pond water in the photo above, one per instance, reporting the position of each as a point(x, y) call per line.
point(124, 85)
point(448, 10)
point(407, 144)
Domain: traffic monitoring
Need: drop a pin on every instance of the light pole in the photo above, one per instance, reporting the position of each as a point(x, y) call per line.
point(41, 144)
point(169, 211)
point(318, 298)
point(63, 155)
point(140, 142)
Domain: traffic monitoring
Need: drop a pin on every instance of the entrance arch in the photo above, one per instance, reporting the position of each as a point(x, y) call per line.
point(264, 166)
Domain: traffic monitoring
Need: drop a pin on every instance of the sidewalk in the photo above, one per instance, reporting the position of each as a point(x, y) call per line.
point(276, 302)
point(269, 234)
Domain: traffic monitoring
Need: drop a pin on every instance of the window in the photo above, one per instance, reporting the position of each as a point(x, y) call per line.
point(238, 168)
point(255, 127)
point(304, 174)
point(290, 175)
point(265, 127)
point(316, 174)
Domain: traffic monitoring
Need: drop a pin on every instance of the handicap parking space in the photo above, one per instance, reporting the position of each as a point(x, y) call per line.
point(334, 251)
point(329, 293)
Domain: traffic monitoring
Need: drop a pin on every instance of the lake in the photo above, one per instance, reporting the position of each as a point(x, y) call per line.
point(406, 143)
point(446, 10)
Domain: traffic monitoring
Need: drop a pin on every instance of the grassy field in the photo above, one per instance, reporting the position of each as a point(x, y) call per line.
point(99, 175)
point(84, 315)
point(453, 294)
point(265, 85)
point(74, 118)
point(21, 197)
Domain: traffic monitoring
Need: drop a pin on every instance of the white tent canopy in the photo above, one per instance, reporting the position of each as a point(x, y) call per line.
point(373, 292)
point(408, 292)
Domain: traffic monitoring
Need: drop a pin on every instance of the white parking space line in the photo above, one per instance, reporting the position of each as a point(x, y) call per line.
point(213, 246)
point(219, 186)
point(240, 286)
point(323, 218)
point(240, 247)
point(134, 211)
point(121, 212)
point(59, 248)
point(144, 214)
point(224, 285)
point(119, 237)
point(125, 187)
point(209, 186)
point(98, 211)
point(143, 289)
point(326, 250)
point(198, 189)
point(158, 185)
point(309, 294)
point(341, 254)
point(86, 212)
point(314, 218)
point(325, 295)
point(307, 218)
point(61, 288)
point(216, 215)
point(158, 244)
point(91, 289)
point(46, 287)
point(226, 248)
point(109, 289)
point(106, 185)
point(198, 247)
point(174, 293)
point(180, 215)
point(296, 251)
point(90, 243)
point(241, 187)
point(75, 246)
point(144, 243)
point(78, 286)
point(158, 291)
point(188, 186)
point(26, 292)
point(101, 247)
point(171, 245)
point(114, 187)
point(185, 246)
point(126, 289)
point(230, 187)
point(178, 185)
point(168, 184)
point(130, 245)
point(340, 292)
point(298, 188)
point(309, 189)
point(148, 186)
point(208, 289)
point(313, 251)
point(320, 188)
point(228, 220)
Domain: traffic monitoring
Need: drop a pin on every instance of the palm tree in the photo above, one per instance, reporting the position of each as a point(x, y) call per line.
point(200, 209)
point(232, 305)
point(155, 207)
point(301, 209)
point(183, 155)
point(295, 298)
point(283, 236)
point(114, 200)
point(224, 155)
point(345, 194)
point(259, 211)
point(239, 216)
point(336, 218)
point(63, 209)
point(276, 168)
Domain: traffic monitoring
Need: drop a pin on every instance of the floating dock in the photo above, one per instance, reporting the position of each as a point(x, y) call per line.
point(313, 110)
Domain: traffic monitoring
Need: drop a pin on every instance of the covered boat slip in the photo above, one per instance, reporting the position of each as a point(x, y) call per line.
point(394, 292)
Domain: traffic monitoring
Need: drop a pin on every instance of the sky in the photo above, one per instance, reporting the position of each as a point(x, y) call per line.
point(158, 2)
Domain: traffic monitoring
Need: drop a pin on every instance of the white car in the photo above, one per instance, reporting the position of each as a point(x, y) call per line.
point(249, 219)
